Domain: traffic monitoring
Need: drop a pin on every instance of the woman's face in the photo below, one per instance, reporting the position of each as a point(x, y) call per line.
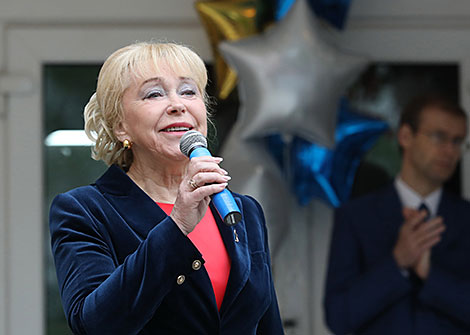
point(157, 111)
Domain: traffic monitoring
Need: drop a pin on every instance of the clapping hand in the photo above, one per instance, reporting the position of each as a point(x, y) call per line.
point(415, 240)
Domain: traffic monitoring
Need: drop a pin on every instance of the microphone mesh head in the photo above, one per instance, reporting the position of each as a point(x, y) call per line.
point(191, 140)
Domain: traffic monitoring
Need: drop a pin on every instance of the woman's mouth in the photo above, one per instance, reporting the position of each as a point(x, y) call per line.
point(176, 129)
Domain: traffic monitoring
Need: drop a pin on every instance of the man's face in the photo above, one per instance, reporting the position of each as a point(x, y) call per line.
point(433, 151)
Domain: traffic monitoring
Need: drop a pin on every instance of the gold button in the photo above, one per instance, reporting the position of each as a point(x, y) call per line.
point(197, 264)
point(180, 280)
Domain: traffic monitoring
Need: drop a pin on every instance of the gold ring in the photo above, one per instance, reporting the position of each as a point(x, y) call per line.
point(193, 184)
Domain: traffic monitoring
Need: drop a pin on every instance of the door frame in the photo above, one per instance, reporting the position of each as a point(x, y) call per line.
point(28, 49)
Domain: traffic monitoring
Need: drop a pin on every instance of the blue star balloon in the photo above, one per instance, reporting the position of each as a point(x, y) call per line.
point(314, 171)
point(333, 11)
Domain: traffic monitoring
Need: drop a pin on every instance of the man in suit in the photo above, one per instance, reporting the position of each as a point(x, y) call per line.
point(400, 257)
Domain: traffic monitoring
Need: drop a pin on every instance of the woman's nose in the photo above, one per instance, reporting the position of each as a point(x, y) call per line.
point(176, 105)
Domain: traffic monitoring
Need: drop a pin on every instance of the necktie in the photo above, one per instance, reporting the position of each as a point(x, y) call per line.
point(424, 207)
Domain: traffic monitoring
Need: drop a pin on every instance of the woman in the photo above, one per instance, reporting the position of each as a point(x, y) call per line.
point(142, 250)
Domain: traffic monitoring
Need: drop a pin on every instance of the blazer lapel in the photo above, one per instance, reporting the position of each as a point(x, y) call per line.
point(237, 248)
point(448, 211)
point(136, 208)
point(142, 214)
point(389, 208)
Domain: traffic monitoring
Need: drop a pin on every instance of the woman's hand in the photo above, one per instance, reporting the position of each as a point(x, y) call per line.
point(204, 177)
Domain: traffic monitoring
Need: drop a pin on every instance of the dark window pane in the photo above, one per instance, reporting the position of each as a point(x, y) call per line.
point(67, 89)
point(383, 90)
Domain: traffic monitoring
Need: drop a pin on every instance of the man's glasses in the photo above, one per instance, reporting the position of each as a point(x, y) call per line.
point(440, 138)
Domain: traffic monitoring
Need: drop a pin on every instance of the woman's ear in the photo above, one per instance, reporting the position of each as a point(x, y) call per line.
point(120, 132)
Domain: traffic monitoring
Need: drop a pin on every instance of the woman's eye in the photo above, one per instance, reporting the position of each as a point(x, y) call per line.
point(188, 92)
point(154, 94)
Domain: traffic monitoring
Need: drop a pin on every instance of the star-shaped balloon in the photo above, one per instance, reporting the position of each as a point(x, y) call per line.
point(230, 20)
point(333, 11)
point(315, 171)
point(254, 172)
point(290, 81)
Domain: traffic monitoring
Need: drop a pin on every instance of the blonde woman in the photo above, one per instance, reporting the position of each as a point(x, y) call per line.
point(142, 250)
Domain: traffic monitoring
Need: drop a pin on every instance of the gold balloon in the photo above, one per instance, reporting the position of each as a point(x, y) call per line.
point(228, 20)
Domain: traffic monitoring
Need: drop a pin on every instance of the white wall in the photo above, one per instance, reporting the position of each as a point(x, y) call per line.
point(411, 30)
point(399, 9)
point(3, 205)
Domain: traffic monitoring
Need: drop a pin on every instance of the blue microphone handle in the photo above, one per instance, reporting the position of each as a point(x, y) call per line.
point(223, 201)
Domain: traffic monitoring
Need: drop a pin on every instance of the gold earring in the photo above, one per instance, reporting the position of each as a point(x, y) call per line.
point(126, 144)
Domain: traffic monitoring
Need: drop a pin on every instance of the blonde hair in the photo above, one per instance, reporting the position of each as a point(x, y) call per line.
point(136, 61)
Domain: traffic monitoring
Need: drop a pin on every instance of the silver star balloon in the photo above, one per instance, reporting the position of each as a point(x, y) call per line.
point(254, 172)
point(290, 81)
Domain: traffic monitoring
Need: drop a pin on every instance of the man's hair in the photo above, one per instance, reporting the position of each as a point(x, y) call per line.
point(411, 114)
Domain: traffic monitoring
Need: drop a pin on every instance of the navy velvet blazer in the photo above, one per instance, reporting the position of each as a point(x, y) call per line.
point(118, 257)
point(365, 291)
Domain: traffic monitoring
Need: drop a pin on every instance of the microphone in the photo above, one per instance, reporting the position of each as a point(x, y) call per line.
point(194, 144)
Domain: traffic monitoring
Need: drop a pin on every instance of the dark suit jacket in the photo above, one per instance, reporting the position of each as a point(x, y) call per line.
point(365, 291)
point(118, 257)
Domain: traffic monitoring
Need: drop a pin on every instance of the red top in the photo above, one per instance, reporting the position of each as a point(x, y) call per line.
point(206, 237)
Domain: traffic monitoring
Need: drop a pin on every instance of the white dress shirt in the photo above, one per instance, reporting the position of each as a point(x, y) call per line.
point(410, 198)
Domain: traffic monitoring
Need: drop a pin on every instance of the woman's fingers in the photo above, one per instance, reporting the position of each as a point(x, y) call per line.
point(206, 178)
point(205, 164)
point(203, 173)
